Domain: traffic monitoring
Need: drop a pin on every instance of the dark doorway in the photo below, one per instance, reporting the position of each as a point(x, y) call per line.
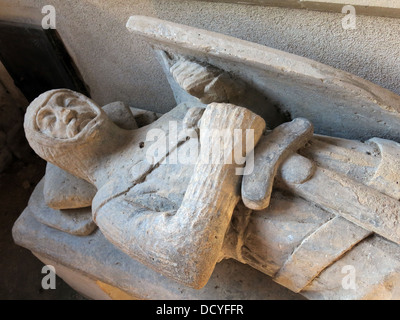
point(37, 60)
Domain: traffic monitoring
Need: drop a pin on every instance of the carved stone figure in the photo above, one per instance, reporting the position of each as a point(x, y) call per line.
point(311, 206)
point(175, 218)
point(128, 209)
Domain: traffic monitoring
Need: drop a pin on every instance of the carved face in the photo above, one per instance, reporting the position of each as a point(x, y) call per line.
point(64, 116)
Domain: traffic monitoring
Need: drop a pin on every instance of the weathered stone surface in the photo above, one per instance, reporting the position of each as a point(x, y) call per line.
point(114, 293)
point(272, 150)
point(83, 284)
point(203, 217)
point(188, 258)
point(182, 218)
point(205, 82)
point(141, 205)
point(121, 115)
point(317, 251)
point(387, 176)
point(95, 257)
point(273, 234)
point(77, 222)
point(298, 86)
point(368, 260)
point(355, 159)
point(144, 117)
point(385, 8)
point(296, 169)
point(198, 82)
point(270, 239)
point(62, 190)
point(354, 201)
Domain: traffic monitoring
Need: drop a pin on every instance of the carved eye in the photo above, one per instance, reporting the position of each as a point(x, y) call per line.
point(46, 119)
point(67, 103)
point(49, 121)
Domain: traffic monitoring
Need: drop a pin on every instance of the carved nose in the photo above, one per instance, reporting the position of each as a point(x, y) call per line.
point(67, 115)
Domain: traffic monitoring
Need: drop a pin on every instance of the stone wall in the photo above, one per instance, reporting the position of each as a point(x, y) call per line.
point(117, 65)
point(384, 8)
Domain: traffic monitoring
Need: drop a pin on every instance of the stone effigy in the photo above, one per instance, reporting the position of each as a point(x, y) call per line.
point(301, 209)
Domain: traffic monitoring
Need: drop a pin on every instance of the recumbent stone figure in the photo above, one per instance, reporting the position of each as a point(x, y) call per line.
point(317, 200)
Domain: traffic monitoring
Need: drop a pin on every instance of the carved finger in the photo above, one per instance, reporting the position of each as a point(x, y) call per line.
point(268, 155)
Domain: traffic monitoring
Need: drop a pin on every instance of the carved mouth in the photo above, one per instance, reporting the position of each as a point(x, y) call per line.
point(77, 125)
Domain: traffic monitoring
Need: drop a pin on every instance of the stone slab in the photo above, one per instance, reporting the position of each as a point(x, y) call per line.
point(95, 258)
point(337, 103)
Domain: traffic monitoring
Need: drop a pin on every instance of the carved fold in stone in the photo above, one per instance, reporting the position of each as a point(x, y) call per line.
point(387, 176)
point(375, 264)
point(274, 233)
point(202, 218)
point(355, 159)
point(317, 251)
point(358, 203)
point(205, 82)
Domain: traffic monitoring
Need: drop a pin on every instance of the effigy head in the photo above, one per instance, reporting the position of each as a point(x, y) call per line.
point(65, 114)
point(61, 114)
point(66, 128)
